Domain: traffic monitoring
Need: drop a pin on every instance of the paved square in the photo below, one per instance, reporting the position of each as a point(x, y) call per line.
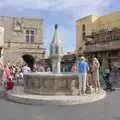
point(106, 109)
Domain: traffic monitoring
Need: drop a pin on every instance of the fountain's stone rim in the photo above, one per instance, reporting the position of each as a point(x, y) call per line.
point(50, 74)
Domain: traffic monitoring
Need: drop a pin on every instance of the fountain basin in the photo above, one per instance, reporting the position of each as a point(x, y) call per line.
point(17, 95)
point(48, 83)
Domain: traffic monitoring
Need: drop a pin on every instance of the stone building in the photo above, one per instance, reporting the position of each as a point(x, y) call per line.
point(22, 36)
point(1, 44)
point(100, 37)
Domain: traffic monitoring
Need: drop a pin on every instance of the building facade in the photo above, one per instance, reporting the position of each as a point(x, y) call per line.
point(99, 37)
point(105, 45)
point(1, 44)
point(22, 36)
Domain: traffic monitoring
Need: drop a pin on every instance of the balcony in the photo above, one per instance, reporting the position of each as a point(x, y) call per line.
point(102, 46)
point(102, 41)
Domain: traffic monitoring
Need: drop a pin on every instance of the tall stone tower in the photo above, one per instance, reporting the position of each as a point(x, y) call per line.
point(56, 51)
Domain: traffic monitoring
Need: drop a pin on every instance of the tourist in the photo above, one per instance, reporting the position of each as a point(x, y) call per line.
point(41, 68)
point(48, 69)
point(83, 68)
point(35, 67)
point(63, 68)
point(13, 68)
point(89, 76)
point(95, 74)
point(25, 69)
point(21, 75)
point(1, 72)
point(9, 84)
point(114, 73)
point(7, 73)
point(74, 68)
point(108, 83)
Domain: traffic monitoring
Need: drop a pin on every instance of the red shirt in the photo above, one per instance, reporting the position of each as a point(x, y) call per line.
point(10, 85)
point(7, 73)
point(74, 68)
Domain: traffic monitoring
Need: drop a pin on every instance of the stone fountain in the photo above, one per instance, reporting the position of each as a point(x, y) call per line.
point(55, 82)
point(52, 87)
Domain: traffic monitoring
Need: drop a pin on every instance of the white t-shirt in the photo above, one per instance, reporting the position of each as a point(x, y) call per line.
point(25, 69)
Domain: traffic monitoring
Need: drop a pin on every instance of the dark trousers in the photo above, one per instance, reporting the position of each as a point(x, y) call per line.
point(108, 83)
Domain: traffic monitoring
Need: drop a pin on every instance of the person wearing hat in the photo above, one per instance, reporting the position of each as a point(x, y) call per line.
point(83, 68)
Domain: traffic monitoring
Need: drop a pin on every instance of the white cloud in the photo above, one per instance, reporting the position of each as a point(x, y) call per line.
point(56, 5)
point(74, 8)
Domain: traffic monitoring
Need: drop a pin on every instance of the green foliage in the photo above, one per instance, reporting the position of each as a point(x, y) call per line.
point(29, 59)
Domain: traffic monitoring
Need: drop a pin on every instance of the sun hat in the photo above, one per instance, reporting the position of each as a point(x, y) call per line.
point(82, 58)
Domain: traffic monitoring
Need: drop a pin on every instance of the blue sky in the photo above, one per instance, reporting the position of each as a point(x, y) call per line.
point(62, 12)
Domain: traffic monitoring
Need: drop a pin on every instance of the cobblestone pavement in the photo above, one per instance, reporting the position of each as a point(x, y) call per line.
point(106, 109)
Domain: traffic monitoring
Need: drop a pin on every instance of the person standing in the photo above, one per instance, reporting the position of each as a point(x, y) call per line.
point(7, 73)
point(9, 84)
point(83, 68)
point(95, 74)
point(108, 82)
point(1, 72)
point(48, 69)
point(74, 68)
point(25, 69)
point(41, 68)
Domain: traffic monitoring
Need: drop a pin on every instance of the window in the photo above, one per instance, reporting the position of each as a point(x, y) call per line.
point(83, 35)
point(17, 27)
point(27, 36)
point(83, 31)
point(30, 36)
point(83, 27)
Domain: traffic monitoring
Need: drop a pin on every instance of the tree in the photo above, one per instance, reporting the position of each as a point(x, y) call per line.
point(29, 59)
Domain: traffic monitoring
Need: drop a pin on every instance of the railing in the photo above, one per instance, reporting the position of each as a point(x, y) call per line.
point(102, 46)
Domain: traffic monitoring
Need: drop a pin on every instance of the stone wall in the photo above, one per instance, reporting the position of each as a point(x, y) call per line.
point(15, 44)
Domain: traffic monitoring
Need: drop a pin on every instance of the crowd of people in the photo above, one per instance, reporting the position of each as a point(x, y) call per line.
point(89, 75)
point(11, 74)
